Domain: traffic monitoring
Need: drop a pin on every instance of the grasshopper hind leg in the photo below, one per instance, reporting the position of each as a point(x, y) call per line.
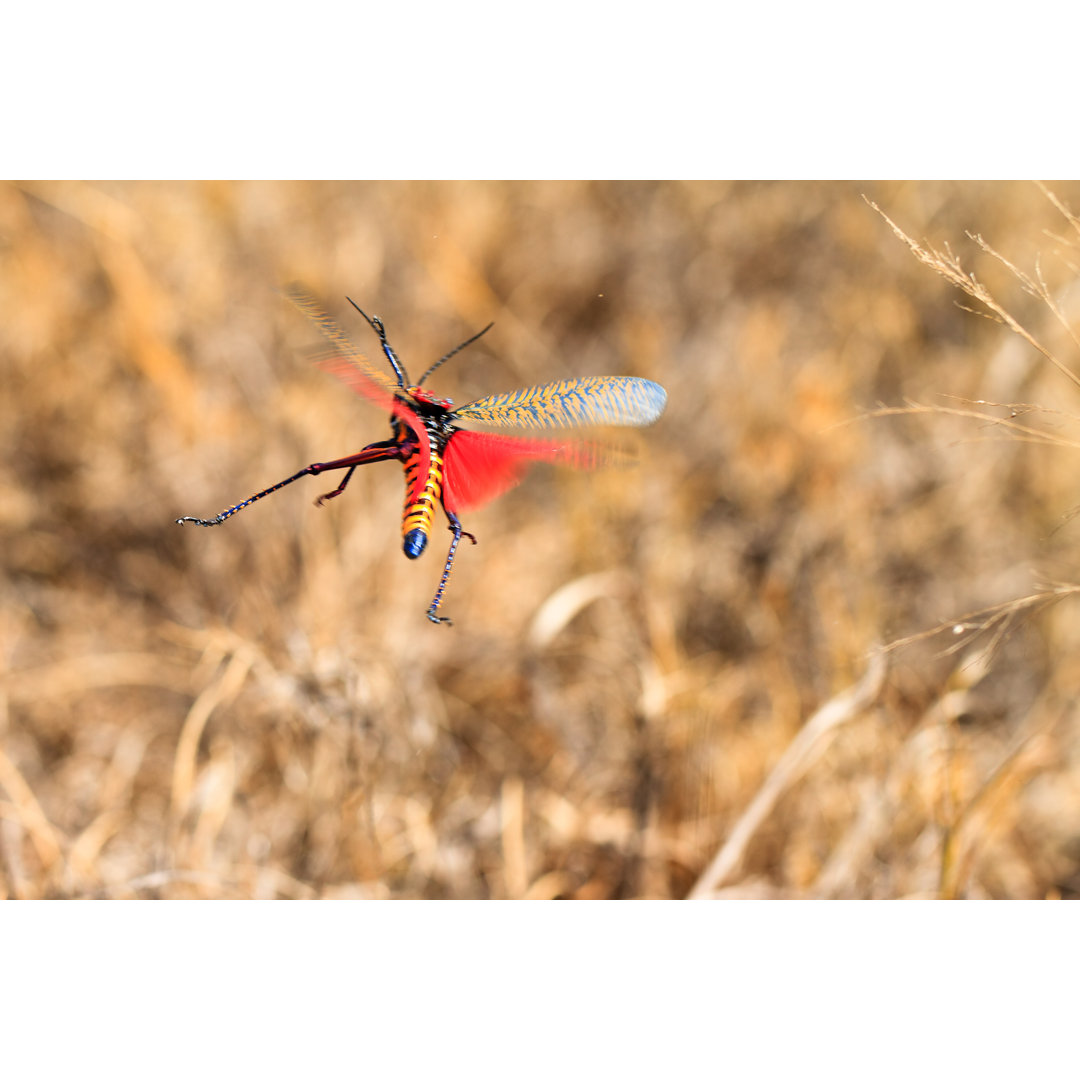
point(459, 532)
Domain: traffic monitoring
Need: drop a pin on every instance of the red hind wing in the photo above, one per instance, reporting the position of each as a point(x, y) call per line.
point(478, 466)
point(345, 369)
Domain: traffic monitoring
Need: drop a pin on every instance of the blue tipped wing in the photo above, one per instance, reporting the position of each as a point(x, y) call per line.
point(614, 400)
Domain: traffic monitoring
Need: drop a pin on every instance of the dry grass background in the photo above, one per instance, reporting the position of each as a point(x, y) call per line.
point(639, 657)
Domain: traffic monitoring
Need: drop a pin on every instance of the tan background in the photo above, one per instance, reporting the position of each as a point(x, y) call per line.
point(263, 710)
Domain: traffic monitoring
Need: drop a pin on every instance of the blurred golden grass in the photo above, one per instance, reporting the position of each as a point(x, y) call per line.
point(623, 702)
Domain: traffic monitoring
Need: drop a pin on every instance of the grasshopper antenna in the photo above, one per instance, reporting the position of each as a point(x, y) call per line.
point(376, 324)
point(453, 352)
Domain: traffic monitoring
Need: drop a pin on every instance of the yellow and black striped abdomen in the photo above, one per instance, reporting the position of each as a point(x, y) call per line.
point(420, 511)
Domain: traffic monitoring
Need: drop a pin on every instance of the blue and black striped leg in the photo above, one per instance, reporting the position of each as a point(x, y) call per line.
point(381, 451)
point(226, 514)
point(459, 532)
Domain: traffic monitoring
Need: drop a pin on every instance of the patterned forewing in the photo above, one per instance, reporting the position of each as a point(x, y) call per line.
point(616, 400)
point(345, 360)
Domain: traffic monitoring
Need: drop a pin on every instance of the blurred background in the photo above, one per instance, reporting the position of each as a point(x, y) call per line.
point(628, 702)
